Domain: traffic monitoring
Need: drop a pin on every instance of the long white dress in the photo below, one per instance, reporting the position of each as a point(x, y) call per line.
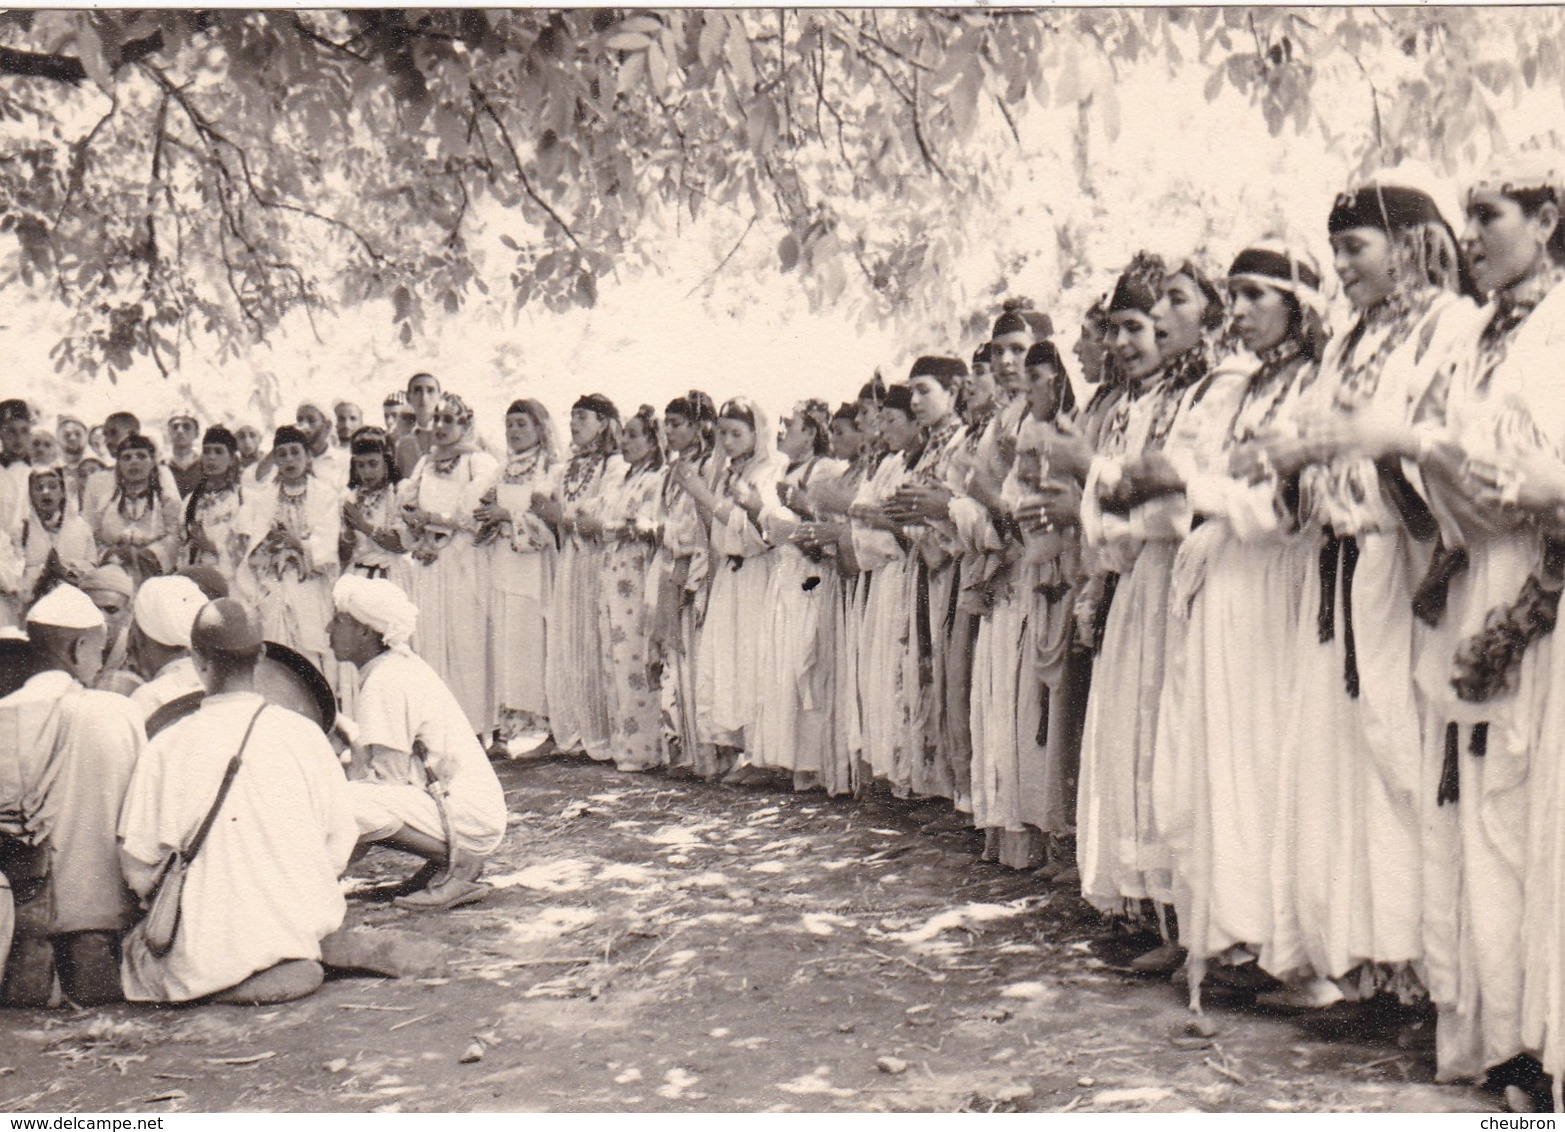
point(293, 595)
point(1237, 583)
point(888, 659)
point(1347, 866)
point(574, 680)
point(627, 508)
point(1489, 873)
point(795, 713)
point(521, 576)
point(677, 585)
point(452, 588)
point(1121, 856)
point(728, 666)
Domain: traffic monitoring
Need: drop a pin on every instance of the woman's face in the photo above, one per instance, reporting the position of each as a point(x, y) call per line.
point(43, 449)
point(868, 422)
point(1133, 339)
point(48, 493)
point(736, 437)
point(448, 429)
point(1177, 316)
point(978, 389)
point(1043, 391)
point(369, 468)
point(845, 438)
point(1007, 354)
point(521, 432)
point(932, 402)
point(1362, 257)
point(135, 467)
point(1260, 314)
point(216, 459)
point(586, 425)
point(1504, 245)
point(798, 440)
point(96, 439)
point(249, 441)
point(292, 460)
point(680, 431)
point(898, 429)
point(637, 440)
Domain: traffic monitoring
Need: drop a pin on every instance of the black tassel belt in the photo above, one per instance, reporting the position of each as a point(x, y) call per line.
point(1451, 769)
point(1344, 550)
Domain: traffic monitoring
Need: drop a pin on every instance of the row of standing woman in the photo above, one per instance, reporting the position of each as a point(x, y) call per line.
point(1259, 639)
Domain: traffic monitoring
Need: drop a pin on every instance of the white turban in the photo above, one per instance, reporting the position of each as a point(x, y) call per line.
point(166, 607)
point(378, 604)
point(66, 607)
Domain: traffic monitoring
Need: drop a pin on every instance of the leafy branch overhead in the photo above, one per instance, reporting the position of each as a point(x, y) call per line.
point(168, 174)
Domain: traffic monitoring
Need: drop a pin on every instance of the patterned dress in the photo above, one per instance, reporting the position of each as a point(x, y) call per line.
point(521, 558)
point(628, 509)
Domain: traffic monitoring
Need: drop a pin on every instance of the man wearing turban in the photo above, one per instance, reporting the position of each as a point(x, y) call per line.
point(66, 756)
point(419, 780)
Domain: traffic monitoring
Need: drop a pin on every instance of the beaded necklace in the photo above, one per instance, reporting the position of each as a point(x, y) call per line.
point(1178, 376)
point(1272, 377)
point(1391, 318)
point(1511, 308)
point(580, 473)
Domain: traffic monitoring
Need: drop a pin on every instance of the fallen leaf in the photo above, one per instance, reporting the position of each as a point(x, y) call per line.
point(474, 1052)
point(249, 1059)
point(891, 1065)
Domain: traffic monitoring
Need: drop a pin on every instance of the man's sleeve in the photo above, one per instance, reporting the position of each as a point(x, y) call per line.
point(385, 714)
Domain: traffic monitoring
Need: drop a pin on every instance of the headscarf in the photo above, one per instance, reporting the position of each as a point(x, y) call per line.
point(1530, 179)
point(453, 405)
point(218, 434)
point(947, 371)
point(899, 397)
point(544, 424)
point(981, 355)
point(379, 604)
point(290, 434)
point(368, 441)
point(1018, 317)
point(1282, 269)
point(597, 403)
point(1399, 210)
point(1140, 285)
point(109, 579)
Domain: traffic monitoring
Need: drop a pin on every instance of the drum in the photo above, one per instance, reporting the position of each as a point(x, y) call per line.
point(283, 677)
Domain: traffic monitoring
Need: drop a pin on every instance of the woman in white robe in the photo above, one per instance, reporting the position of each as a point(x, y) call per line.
point(375, 537)
point(578, 716)
point(290, 528)
point(679, 579)
point(795, 710)
point(1347, 874)
point(54, 536)
point(1124, 862)
point(888, 664)
point(137, 524)
point(210, 535)
point(521, 552)
point(625, 519)
point(1237, 583)
point(1491, 874)
point(449, 576)
point(728, 664)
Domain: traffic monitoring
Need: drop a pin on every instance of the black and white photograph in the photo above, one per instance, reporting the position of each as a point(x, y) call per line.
point(986, 559)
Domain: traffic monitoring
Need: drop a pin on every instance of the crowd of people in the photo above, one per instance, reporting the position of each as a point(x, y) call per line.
point(1254, 645)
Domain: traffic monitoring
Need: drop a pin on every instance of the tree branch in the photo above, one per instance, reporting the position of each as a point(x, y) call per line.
point(716, 271)
point(521, 174)
point(918, 135)
point(68, 68)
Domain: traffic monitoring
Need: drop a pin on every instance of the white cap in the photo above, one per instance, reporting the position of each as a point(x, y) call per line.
point(66, 607)
point(166, 607)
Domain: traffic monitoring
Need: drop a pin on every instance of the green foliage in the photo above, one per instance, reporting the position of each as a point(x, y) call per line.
point(166, 174)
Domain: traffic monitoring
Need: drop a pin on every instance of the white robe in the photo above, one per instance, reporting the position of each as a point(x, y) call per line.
point(263, 888)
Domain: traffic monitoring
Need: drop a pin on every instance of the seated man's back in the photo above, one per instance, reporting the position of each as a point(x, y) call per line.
point(263, 888)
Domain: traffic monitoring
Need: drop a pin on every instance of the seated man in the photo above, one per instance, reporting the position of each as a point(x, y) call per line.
point(420, 780)
point(66, 757)
point(262, 891)
point(159, 641)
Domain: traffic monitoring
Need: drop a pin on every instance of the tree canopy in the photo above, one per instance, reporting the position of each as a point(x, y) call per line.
point(169, 174)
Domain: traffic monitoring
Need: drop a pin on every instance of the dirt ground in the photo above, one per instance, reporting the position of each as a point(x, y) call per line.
point(669, 946)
